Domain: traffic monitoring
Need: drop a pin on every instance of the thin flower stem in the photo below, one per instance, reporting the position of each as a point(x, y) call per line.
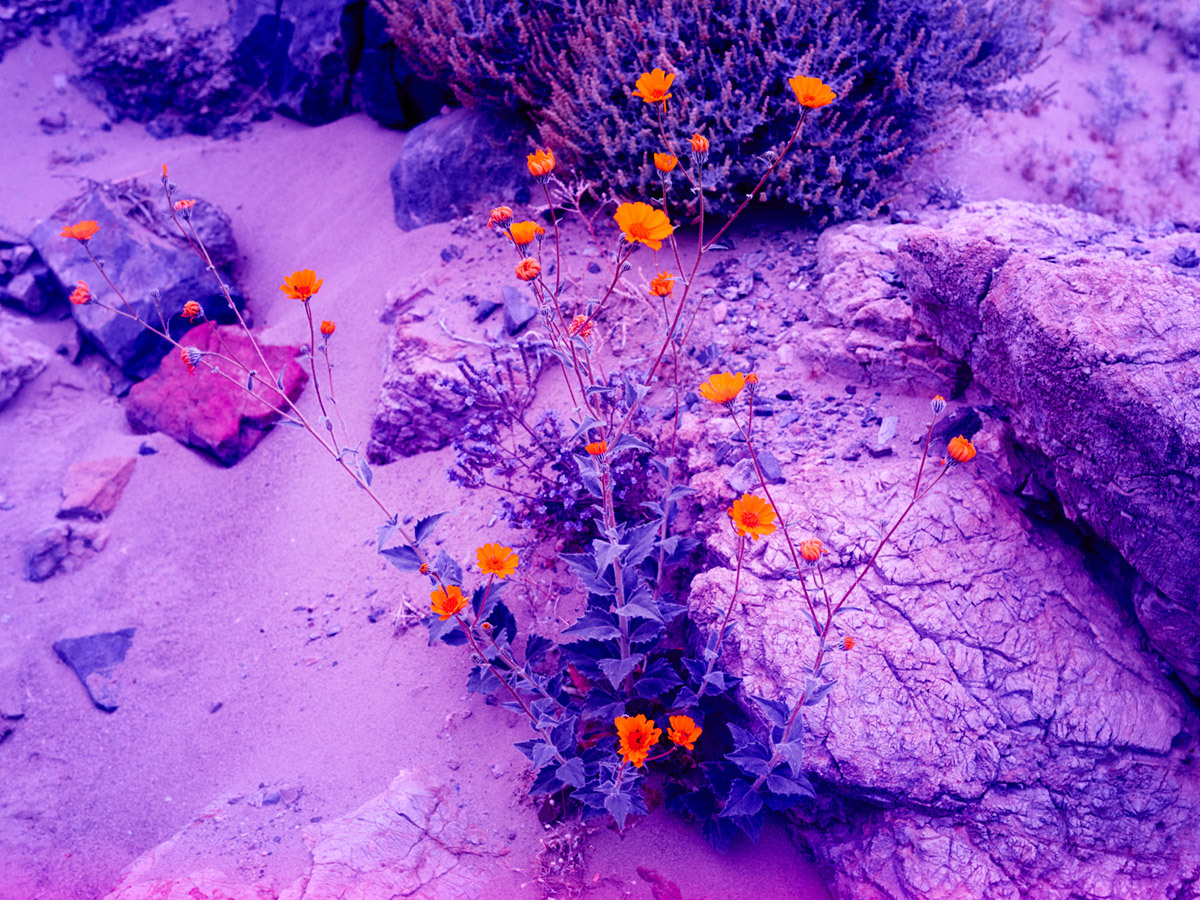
point(762, 480)
point(924, 455)
point(332, 394)
point(511, 663)
point(662, 131)
point(761, 181)
point(312, 365)
point(737, 581)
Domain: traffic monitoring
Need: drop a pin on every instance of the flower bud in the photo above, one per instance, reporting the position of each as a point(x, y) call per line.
point(960, 450)
point(937, 404)
point(811, 550)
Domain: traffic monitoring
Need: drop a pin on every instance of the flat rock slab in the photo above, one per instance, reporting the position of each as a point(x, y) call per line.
point(94, 659)
point(93, 487)
point(204, 410)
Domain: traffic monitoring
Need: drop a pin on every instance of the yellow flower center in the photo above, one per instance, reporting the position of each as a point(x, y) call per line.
point(638, 231)
point(750, 519)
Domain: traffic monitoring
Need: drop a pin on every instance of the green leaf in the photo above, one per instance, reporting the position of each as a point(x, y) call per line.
point(616, 670)
point(426, 525)
point(367, 474)
point(607, 553)
point(816, 691)
point(618, 806)
point(572, 773)
point(384, 532)
point(743, 800)
point(403, 558)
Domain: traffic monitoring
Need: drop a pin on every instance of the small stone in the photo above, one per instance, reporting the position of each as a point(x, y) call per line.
point(146, 450)
point(92, 488)
point(877, 452)
point(94, 660)
point(594, 268)
point(215, 707)
point(333, 630)
point(376, 613)
point(486, 308)
point(887, 429)
point(518, 311)
point(720, 312)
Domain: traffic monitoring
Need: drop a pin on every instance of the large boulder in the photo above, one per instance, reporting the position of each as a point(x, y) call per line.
point(142, 252)
point(20, 361)
point(462, 160)
point(294, 51)
point(998, 730)
point(214, 414)
point(385, 86)
point(1094, 356)
point(414, 840)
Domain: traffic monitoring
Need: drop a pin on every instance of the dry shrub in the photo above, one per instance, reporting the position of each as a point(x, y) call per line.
point(898, 66)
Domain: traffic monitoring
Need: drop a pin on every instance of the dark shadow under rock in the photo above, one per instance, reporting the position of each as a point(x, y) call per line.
point(94, 659)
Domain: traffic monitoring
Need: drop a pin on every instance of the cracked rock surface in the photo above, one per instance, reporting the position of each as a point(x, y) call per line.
point(1003, 727)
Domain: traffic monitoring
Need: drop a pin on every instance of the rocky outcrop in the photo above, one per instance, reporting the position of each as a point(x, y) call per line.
point(143, 253)
point(20, 362)
point(1000, 729)
point(411, 841)
point(204, 410)
point(460, 161)
point(25, 282)
point(1097, 359)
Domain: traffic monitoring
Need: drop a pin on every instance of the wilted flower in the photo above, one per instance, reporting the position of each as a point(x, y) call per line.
point(191, 357)
point(723, 387)
point(448, 602)
point(637, 736)
point(82, 294)
point(960, 449)
point(642, 222)
point(752, 378)
point(810, 551)
point(541, 164)
point(683, 731)
point(937, 404)
point(665, 162)
point(499, 216)
point(181, 205)
point(497, 560)
point(328, 327)
point(523, 233)
point(81, 231)
point(424, 570)
point(582, 326)
point(811, 92)
point(752, 516)
point(597, 448)
point(191, 310)
point(301, 284)
point(654, 86)
point(848, 643)
point(699, 144)
point(528, 269)
point(662, 284)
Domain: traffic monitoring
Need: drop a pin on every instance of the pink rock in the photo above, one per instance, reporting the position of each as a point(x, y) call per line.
point(93, 487)
point(204, 410)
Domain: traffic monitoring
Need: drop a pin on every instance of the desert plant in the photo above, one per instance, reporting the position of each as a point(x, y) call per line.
point(899, 67)
point(600, 695)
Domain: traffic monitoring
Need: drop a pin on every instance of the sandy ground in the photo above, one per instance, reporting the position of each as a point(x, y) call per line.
point(236, 580)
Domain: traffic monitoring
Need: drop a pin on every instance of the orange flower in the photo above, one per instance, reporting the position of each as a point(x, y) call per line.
point(81, 231)
point(723, 387)
point(637, 736)
point(528, 269)
point(960, 449)
point(699, 143)
point(523, 233)
point(191, 358)
point(541, 164)
point(810, 551)
point(665, 162)
point(328, 327)
point(597, 448)
point(662, 284)
point(82, 294)
point(848, 643)
point(424, 570)
point(937, 404)
point(499, 216)
point(164, 165)
point(582, 326)
point(683, 731)
point(752, 378)
point(642, 222)
point(752, 516)
point(496, 560)
point(302, 284)
point(654, 86)
point(181, 205)
point(191, 309)
point(448, 602)
point(811, 92)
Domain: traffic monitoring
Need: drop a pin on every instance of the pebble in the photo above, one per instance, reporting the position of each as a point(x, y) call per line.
point(719, 312)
